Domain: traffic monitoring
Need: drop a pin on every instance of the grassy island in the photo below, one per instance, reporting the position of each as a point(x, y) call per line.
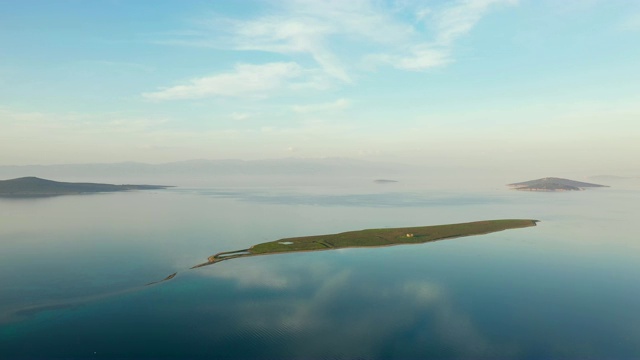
point(36, 187)
point(372, 238)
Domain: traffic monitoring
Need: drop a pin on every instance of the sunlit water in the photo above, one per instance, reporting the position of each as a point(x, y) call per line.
point(73, 271)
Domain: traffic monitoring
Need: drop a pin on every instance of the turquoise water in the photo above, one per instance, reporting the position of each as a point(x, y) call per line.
point(73, 271)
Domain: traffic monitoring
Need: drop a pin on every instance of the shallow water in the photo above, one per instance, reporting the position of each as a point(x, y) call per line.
point(73, 271)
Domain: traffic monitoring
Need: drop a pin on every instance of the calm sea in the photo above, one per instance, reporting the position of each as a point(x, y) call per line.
point(73, 271)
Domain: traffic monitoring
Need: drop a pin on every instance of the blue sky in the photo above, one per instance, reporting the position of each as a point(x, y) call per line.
point(546, 82)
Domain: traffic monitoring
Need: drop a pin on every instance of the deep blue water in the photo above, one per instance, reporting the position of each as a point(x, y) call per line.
point(73, 271)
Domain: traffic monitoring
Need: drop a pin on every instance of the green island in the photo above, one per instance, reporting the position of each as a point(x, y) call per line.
point(36, 187)
point(371, 238)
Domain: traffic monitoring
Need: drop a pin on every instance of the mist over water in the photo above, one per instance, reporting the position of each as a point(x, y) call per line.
point(73, 271)
point(340, 174)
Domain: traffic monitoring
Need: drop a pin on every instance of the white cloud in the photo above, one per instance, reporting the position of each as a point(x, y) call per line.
point(289, 36)
point(449, 23)
point(308, 27)
point(245, 80)
point(455, 21)
point(424, 57)
point(420, 57)
point(339, 37)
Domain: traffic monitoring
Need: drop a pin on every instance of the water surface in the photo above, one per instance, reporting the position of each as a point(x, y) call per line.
point(73, 271)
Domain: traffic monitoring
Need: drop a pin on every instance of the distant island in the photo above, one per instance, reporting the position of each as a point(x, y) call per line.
point(552, 184)
point(384, 181)
point(36, 187)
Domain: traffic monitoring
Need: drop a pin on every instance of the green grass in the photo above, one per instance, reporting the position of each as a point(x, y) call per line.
point(387, 237)
point(373, 238)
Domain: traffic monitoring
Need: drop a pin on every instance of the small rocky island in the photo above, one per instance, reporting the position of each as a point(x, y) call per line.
point(35, 187)
point(384, 181)
point(552, 184)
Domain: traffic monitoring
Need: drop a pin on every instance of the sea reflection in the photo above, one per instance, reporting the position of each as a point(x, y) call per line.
point(326, 309)
point(72, 271)
point(381, 319)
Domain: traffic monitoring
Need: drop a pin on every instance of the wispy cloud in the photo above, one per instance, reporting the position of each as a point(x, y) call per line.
point(449, 23)
point(246, 79)
point(315, 28)
point(458, 19)
point(338, 37)
point(419, 57)
point(290, 36)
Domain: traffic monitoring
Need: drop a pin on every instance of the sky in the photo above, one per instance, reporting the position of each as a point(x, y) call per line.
point(539, 83)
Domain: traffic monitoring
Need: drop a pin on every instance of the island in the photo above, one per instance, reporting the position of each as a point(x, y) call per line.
point(36, 187)
point(385, 181)
point(552, 184)
point(372, 238)
point(366, 238)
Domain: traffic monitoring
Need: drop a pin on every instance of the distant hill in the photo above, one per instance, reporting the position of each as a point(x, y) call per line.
point(34, 186)
point(552, 184)
point(384, 181)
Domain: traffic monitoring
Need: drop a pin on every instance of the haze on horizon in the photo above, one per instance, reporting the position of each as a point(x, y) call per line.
point(539, 84)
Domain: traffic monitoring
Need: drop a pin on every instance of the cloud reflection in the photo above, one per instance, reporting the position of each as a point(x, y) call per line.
point(409, 317)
